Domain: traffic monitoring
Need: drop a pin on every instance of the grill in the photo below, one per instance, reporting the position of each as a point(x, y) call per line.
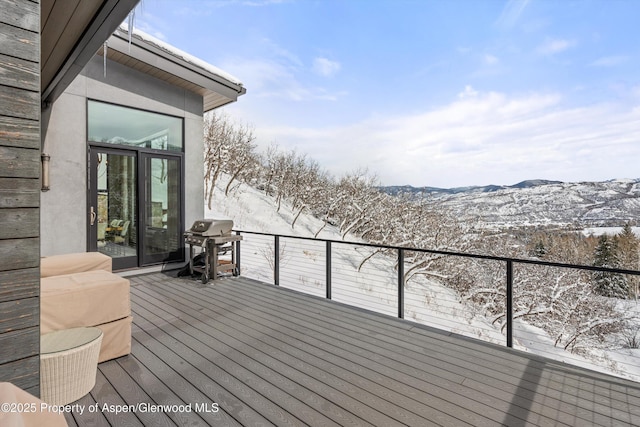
point(214, 238)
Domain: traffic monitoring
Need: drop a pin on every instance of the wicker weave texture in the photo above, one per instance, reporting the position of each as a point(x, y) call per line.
point(66, 376)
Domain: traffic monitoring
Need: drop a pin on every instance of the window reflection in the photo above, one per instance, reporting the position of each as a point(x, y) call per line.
point(116, 210)
point(163, 232)
point(114, 124)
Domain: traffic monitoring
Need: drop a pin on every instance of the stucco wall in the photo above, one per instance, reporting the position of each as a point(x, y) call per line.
point(64, 211)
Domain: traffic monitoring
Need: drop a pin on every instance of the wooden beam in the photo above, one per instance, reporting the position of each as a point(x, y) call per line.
point(19, 193)
point(19, 163)
point(17, 284)
point(24, 373)
point(19, 73)
point(16, 254)
point(19, 223)
point(19, 43)
point(19, 344)
point(15, 132)
point(19, 314)
point(19, 103)
point(22, 14)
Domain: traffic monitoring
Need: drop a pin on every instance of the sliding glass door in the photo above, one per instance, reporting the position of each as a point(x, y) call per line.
point(135, 206)
point(135, 184)
point(113, 206)
point(162, 209)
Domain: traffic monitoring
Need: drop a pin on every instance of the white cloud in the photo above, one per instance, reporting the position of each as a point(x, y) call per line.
point(148, 22)
point(325, 67)
point(554, 46)
point(262, 2)
point(279, 53)
point(511, 13)
point(468, 92)
point(274, 78)
point(610, 61)
point(480, 138)
point(490, 59)
point(207, 5)
point(279, 73)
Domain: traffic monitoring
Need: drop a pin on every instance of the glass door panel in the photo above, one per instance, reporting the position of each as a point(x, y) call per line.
point(113, 207)
point(163, 240)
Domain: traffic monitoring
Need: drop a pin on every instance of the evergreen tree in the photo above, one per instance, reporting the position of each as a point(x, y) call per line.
point(628, 247)
point(539, 249)
point(606, 255)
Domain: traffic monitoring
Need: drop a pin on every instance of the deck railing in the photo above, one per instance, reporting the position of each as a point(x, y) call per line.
point(273, 253)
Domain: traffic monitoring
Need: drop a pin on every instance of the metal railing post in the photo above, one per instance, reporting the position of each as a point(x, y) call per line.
point(509, 303)
point(401, 283)
point(328, 269)
point(238, 253)
point(276, 260)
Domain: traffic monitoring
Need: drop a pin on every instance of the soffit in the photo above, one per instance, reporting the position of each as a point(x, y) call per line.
point(71, 31)
point(152, 60)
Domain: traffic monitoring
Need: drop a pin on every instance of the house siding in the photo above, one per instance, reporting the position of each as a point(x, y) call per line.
point(20, 193)
point(64, 207)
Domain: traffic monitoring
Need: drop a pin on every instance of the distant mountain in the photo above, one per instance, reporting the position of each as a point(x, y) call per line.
point(538, 202)
point(395, 190)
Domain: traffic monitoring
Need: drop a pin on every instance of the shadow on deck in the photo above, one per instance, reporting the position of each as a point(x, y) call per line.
point(239, 352)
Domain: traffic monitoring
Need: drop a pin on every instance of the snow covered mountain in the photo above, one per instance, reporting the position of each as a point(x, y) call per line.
point(539, 202)
point(437, 191)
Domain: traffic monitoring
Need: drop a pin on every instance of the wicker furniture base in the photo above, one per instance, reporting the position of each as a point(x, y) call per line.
point(68, 364)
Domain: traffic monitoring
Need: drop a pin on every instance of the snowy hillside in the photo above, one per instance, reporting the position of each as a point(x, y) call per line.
point(373, 287)
point(374, 284)
point(586, 204)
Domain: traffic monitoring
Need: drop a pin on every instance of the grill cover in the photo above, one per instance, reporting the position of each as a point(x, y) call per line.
point(212, 227)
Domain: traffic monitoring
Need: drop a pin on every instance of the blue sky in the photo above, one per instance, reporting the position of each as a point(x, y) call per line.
point(428, 92)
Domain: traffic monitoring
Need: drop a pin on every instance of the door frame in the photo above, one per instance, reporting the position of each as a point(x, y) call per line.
point(153, 259)
point(140, 155)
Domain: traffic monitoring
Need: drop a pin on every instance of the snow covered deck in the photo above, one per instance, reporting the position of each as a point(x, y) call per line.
point(239, 352)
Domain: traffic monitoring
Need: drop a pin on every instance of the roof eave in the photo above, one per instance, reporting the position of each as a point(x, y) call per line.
point(212, 85)
point(108, 16)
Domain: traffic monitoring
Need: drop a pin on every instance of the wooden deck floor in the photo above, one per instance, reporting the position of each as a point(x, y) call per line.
point(239, 352)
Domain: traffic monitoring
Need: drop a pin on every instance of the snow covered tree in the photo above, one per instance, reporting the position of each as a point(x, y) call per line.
point(606, 283)
point(628, 249)
point(558, 244)
point(358, 200)
point(539, 249)
point(241, 158)
point(628, 246)
point(217, 131)
point(560, 301)
point(228, 148)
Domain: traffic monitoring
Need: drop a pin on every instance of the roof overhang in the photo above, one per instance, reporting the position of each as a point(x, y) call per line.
point(155, 58)
point(71, 32)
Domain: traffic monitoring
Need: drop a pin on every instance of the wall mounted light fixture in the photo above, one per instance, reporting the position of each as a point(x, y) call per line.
point(45, 158)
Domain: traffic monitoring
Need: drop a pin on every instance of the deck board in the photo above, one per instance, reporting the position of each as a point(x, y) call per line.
point(494, 359)
point(301, 329)
point(526, 373)
point(207, 374)
point(272, 356)
point(240, 369)
point(282, 355)
point(390, 357)
point(159, 392)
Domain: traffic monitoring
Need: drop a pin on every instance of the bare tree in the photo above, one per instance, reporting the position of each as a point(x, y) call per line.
point(228, 148)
